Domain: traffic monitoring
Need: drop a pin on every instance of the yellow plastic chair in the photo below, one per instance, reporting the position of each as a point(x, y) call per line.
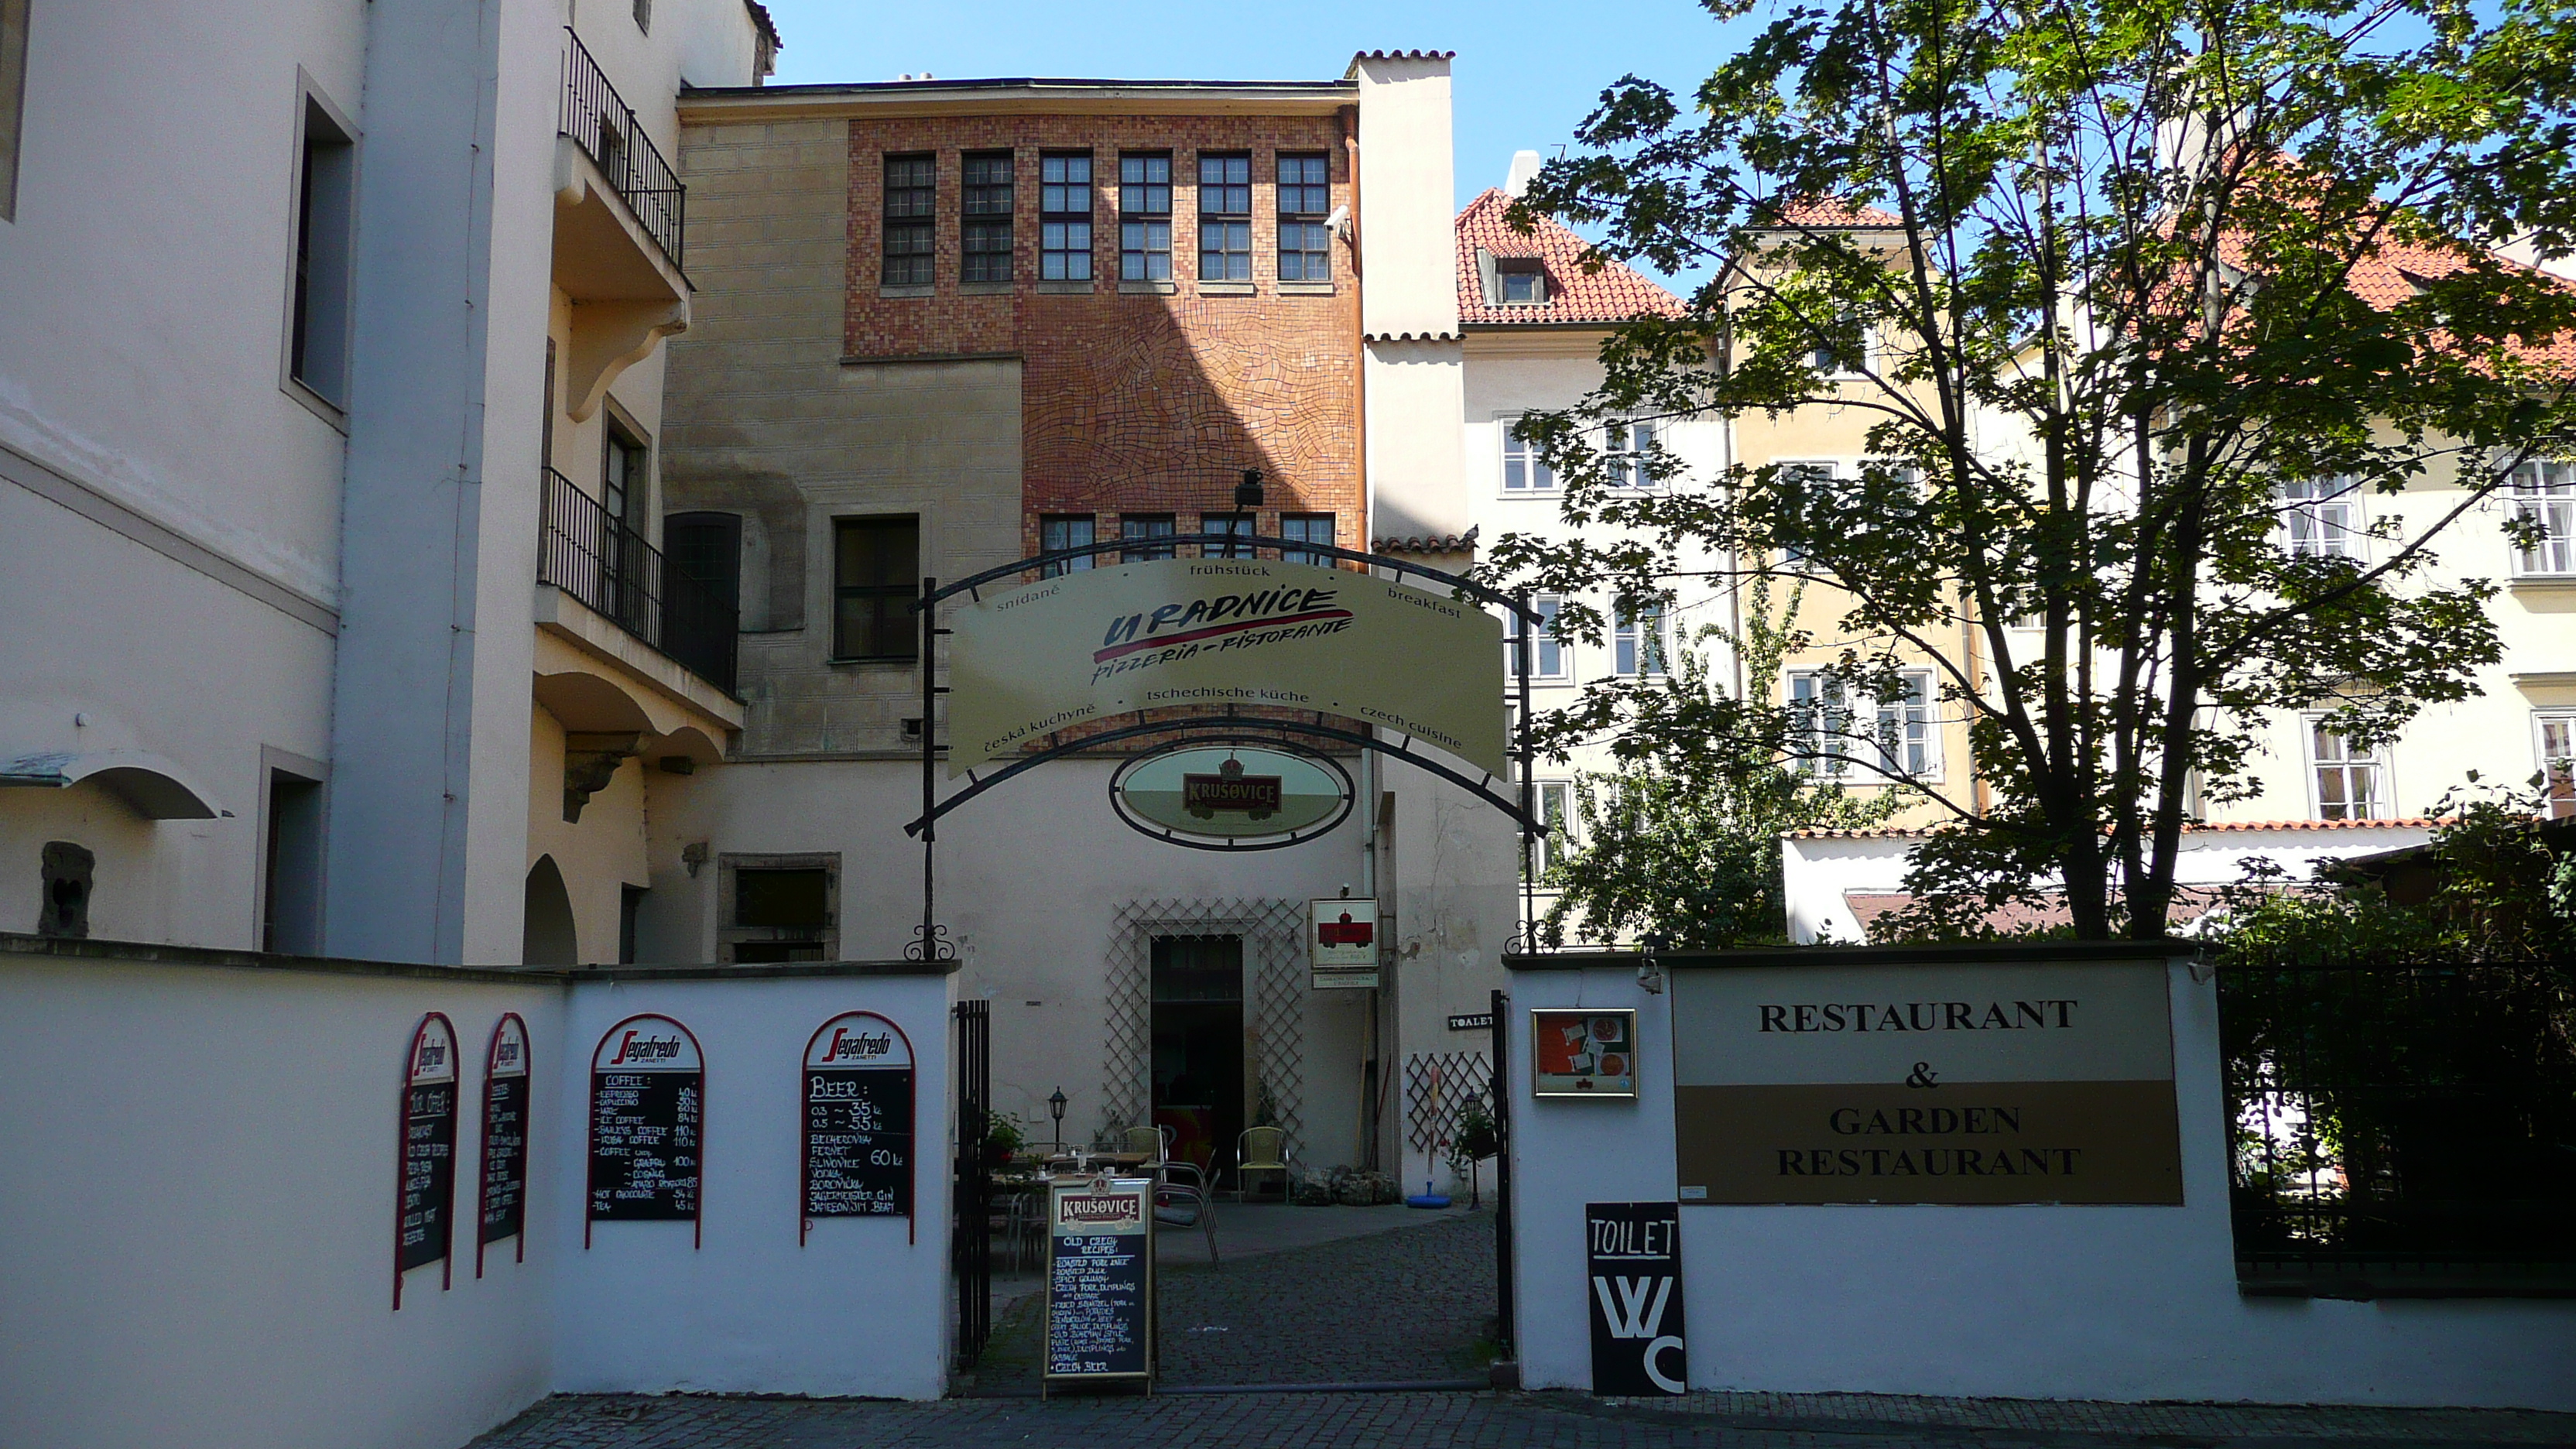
point(1260, 1149)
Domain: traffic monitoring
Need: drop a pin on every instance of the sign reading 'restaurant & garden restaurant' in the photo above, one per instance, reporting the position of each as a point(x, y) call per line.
point(2021, 1083)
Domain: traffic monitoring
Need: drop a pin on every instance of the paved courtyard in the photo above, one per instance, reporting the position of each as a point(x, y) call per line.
point(1495, 1421)
point(1408, 1301)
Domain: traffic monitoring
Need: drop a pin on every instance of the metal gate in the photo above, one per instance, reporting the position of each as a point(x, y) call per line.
point(970, 1239)
point(1502, 1097)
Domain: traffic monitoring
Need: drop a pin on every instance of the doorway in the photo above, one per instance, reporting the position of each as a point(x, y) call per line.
point(1197, 1028)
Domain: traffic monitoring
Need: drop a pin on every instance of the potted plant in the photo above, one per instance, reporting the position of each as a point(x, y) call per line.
point(1002, 1139)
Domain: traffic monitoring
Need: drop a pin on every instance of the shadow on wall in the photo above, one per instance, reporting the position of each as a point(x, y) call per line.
point(1154, 404)
point(549, 938)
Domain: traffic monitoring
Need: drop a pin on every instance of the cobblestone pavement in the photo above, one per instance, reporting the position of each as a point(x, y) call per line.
point(1495, 1421)
point(1408, 1305)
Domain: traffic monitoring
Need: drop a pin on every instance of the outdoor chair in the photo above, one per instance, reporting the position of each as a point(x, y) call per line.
point(1260, 1149)
point(1176, 1182)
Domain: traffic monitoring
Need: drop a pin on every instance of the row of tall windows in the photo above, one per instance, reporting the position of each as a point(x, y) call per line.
point(1302, 193)
point(1627, 448)
point(1146, 535)
point(1637, 642)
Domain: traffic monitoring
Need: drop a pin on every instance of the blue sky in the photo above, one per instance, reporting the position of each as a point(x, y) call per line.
point(1526, 74)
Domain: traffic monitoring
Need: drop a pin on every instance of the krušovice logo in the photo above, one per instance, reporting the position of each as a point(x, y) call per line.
point(1229, 788)
point(1113, 1210)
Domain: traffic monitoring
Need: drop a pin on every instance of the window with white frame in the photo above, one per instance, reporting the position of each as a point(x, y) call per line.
point(1524, 471)
point(1820, 723)
point(1908, 741)
point(1637, 641)
point(2351, 782)
point(2322, 516)
point(2544, 497)
point(1556, 813)
point(1805, 475)
point(1548, 655)
point(1839, 356)
point(2553, 736)
point(1831, 733)
point(1624, 453)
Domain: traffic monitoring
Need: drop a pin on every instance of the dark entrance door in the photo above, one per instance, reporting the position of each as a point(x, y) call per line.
point(1198, 1046)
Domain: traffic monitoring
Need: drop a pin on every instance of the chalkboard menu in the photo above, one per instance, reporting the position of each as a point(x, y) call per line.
point(858, 1119)
point(647, 1108)
point(505, 1139)
point(1100, 1280)
point(425, 1200)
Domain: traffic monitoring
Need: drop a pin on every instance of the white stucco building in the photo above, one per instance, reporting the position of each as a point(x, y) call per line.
point(322, 317)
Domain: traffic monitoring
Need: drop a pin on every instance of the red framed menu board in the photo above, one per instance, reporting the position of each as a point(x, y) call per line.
point(648, 1085)
point(425, 1177)
point(504, 1200)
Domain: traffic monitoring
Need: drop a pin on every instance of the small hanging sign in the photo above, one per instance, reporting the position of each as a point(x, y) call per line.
point(1100, 1280)
point(425, 1189)
point(647, 1119)
point(1341, 936)
point(504, 1213)
point(858, 1120)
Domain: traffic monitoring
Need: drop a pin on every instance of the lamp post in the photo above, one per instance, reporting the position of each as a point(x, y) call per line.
point(1247, 497)
point(1055, 1109)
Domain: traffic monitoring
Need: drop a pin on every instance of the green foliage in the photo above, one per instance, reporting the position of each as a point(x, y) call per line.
point(2490, 891)
point(1683, 839)
point(2118, 306)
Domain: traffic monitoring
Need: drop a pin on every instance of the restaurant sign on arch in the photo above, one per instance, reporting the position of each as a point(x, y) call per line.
point(1232, 796)
point(1093, 644)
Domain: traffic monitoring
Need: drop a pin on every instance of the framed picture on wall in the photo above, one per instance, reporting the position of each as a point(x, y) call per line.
point(1584, 1053)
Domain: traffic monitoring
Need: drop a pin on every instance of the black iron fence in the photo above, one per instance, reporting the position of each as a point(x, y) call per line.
point(2402, 1131)
point(592, 555)
point(604, 126)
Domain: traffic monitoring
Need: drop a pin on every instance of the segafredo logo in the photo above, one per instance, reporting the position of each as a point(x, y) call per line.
point(863, 1046)
point(1243, 620)
point(636, 1047)
point(646, 1044)
point(1104, 1211)
point(857, 1039)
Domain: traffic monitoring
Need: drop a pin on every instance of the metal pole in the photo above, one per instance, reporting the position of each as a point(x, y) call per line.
point(1502, 1090)
point(929, 767)
point(1529, 764)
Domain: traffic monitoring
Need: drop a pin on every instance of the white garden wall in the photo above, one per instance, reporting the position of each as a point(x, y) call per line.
point(2124, 1303)
point(198, 1174)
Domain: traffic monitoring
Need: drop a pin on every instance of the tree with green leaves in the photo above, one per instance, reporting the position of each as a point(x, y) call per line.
point(1682, 839)
point(2111, 283)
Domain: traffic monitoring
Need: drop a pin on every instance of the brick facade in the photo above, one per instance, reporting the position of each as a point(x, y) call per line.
point(1133, 400)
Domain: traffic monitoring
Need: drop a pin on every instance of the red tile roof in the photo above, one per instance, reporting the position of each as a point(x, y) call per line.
point(1834, 211)
point(1893, 832)
point(1612, 294)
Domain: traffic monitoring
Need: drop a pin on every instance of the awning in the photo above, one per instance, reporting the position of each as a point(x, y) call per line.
point(149, 783)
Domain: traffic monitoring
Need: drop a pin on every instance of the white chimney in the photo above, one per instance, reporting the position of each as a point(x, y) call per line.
point(1524, 171)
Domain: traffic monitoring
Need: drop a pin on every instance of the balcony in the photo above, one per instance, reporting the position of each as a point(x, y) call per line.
point(599, 121)
point(611, 570)
point(620, 222)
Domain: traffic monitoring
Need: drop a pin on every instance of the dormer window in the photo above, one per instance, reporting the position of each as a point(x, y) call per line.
point(1523, 283)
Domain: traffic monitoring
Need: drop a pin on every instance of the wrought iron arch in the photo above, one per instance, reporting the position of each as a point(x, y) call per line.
point(930, 941)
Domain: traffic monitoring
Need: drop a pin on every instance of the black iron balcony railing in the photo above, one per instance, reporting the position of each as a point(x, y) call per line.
point(604, 126)
point(596, 558)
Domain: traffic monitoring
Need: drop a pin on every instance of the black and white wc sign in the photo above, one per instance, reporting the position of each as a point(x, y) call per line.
point(1633, 1257)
